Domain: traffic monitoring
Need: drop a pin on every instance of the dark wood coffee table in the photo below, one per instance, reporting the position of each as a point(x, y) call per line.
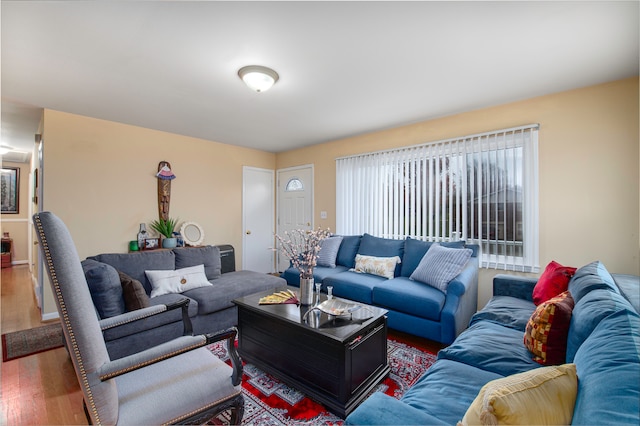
point(336, 361)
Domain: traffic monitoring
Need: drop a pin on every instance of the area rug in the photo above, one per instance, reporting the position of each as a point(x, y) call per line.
point(270, 402)
point(28, 342)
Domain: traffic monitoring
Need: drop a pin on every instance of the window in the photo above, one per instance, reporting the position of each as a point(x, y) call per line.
point(294, 184)
point(479, 188)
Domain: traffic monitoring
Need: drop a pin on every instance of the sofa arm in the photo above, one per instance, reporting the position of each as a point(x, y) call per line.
point(140, 314)
point(514, 286)
point(381, 409)
point(461, 302)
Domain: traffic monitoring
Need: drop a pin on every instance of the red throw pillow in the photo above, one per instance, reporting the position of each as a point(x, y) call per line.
point(546, 333)
point(553, 281)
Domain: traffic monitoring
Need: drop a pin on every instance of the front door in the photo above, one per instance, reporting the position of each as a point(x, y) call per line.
point(257, 219)
point(295, 203)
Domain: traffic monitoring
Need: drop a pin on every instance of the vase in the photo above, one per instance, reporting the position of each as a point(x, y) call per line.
point(306, 291)
point(169, 242)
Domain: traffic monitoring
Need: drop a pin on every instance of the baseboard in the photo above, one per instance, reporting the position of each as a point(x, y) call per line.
point(19, 262)
point(50, 316)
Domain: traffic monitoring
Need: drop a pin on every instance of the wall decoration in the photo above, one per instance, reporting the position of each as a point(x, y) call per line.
point(165, 176)
point(192, 234)
point(10, 190)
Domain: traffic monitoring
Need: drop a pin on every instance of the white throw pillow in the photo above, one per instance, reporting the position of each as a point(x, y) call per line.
point(165, 282)
point(381, 266)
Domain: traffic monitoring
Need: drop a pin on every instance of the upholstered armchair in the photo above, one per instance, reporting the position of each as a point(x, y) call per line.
point(179, 381)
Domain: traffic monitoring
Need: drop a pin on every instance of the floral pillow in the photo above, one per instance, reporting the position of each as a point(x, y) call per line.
point(381, 266)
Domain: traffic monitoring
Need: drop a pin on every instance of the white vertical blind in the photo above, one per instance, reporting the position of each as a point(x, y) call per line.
point(480, 188)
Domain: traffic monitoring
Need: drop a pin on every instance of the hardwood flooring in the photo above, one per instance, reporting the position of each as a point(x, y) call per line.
point(42, 389)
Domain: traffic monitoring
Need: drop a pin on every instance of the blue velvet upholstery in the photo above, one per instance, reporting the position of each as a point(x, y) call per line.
point(348, 249)
point(603, 342)
point(411, 297)
point(382, 247)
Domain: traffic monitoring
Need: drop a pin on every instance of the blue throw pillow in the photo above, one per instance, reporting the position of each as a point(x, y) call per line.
point(105, 288)
point(348, 250)
point(440, 265)
point(329, 251)
point(414, 251)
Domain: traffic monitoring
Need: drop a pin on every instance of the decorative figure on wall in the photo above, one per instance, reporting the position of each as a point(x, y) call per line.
point(165, 176)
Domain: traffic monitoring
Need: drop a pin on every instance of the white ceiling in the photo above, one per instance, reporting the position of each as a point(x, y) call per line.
point(346, 68)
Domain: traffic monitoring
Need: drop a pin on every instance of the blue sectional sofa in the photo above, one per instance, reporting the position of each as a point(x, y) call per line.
point(413, 306)
point(209, 310)
point(603, 343)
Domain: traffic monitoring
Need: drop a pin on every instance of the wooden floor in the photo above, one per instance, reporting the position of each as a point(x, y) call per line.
point(42, 389)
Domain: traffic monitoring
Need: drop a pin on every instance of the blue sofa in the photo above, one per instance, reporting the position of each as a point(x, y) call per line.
point(603, 342)
point(209, 308)
point(413, 307)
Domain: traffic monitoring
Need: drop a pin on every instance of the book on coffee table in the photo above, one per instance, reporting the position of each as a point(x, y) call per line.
point(280, 297)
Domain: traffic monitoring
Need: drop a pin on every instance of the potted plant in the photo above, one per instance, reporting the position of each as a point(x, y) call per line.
point(166, 228)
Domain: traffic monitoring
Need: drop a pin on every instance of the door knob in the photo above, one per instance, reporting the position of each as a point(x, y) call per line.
point(248, 232)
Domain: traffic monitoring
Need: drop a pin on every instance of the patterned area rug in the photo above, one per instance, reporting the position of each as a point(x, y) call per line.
point(28, 342)
point(270, 402)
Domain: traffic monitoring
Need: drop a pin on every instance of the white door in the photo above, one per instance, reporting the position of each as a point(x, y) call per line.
point(295, 203)
point(257, 219)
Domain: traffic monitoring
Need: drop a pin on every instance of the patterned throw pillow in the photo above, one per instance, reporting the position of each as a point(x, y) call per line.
point(381, 266)
point(329, 251)
point(133, 293)
point(546, 333)
point(165, 282)
point(544, 396)
point(440, 265)
point(553, 281)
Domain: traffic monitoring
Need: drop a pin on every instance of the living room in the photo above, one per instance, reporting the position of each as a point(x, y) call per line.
point(99, 173)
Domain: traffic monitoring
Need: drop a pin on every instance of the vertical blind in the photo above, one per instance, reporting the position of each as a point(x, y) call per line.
point(480, 188)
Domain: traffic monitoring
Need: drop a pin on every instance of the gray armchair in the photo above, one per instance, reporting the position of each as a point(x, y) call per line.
point(179, 381)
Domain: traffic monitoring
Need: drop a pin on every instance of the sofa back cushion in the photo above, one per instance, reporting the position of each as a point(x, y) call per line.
point(208, 256)
point(104, 286)
point(414, 251)
point(382, 247)
point(348, 250)
point(608, 365)
point(587, 314)
point(591, 277)
point(134, 264)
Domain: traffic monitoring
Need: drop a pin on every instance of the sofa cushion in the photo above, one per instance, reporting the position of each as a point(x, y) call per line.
point(410, 297)
point(440, 265)
point(414, 251)
point(329, 251)
point(292, 275)
point(546, 333)
point(541, 396)
point(491, 347)
point(134, 264)
point(587, 314)
point(382, 247)
point(591, 277)
point(133, 293)
point(353, 286)
point(447, 389)
point(508, 311)
point(178, 281)
point(608, 364)
point(380, 266)
point(208, 256)
point(348, 249)
point(104, 285)
point(553, 281)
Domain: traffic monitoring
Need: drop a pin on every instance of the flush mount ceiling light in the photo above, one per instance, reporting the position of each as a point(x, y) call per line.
point(258, 78)
point(5, 149)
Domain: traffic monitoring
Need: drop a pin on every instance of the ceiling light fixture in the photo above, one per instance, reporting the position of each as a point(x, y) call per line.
point(4, 149)
point(258, 78)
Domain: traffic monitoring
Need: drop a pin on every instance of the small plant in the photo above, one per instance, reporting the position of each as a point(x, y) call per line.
point(164, 227)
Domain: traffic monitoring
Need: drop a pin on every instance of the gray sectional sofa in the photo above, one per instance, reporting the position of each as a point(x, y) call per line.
point(160, 318)
point(413, 306)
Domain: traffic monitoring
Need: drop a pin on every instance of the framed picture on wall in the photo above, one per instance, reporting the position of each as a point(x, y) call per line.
point(10, 190)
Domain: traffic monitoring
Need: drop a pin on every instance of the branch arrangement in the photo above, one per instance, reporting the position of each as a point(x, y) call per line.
point(302, 246)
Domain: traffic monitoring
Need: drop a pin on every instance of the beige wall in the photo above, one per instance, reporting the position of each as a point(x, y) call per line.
point(99, 177)
point(588, 167)
point(17, 225)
